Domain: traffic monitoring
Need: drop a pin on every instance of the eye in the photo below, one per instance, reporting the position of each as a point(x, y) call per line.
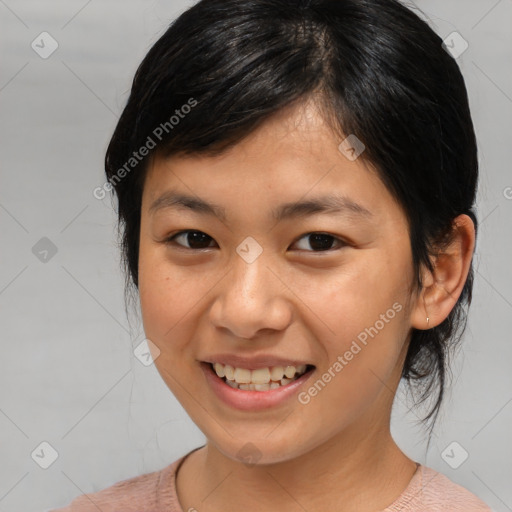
point(320, 242)
point(195, 239)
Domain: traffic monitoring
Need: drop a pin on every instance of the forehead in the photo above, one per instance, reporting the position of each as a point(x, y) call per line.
point(292, 155)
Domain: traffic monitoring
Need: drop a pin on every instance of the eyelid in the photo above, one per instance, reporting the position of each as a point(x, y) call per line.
point(341, 242)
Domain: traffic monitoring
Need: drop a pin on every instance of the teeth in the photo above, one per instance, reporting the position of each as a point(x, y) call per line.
point(229, 372)
point(242, 376)
point(219, 369)
point(289, 371)
point(277, 373)
point(260, 376)
point(261, 379)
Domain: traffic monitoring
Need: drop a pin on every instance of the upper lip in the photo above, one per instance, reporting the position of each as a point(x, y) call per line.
point(255, 362)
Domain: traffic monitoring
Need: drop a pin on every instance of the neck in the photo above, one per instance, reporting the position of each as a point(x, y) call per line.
point(361, 468)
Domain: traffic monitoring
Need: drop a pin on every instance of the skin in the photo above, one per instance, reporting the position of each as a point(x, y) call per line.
point(336, 452)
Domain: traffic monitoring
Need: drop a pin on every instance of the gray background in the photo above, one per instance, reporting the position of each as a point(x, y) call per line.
point(68, 375)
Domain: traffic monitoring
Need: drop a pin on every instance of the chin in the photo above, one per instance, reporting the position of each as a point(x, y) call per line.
point(260, 451)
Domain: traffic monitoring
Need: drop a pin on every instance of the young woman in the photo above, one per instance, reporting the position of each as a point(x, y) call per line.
point(296, 182)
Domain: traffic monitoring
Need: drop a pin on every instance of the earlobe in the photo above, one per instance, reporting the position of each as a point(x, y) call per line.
point(442, 287)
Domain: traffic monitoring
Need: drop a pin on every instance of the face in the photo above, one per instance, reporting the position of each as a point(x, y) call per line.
point(282, 252)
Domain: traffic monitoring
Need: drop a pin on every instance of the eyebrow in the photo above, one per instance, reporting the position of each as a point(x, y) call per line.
point(322, 204)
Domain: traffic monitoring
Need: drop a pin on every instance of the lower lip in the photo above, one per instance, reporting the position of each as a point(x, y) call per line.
point(251, 400)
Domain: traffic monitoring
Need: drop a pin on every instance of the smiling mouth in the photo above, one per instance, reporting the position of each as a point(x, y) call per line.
point(262, 379)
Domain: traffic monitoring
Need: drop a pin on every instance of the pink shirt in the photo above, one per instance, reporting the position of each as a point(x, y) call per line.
point(428, 491)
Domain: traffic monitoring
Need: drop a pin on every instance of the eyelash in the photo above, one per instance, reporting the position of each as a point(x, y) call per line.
point(171, 240)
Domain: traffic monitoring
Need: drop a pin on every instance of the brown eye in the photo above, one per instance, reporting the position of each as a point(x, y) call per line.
point(191, 239)
point(320, 242)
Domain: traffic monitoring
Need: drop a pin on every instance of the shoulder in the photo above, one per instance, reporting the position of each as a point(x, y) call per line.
point(431, 491)
point(142, 493)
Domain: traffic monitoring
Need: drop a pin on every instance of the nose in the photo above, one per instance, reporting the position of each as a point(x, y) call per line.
point(252, 300)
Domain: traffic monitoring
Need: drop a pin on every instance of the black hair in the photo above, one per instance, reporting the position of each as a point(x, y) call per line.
point(376, 69)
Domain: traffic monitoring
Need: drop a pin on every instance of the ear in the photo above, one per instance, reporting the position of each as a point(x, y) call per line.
point(443, 286)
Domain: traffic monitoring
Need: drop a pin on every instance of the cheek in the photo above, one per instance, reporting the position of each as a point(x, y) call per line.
point(367, 330)
point(165, 297)
point(355, 297)
point(361, 317)
point(171, 298)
